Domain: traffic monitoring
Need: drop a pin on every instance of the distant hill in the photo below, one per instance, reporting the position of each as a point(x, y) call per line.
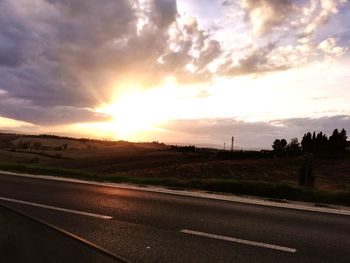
point(54, 142)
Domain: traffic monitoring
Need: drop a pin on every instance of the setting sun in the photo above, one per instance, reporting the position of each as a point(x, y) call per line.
point(140, 110)
point(132, 113)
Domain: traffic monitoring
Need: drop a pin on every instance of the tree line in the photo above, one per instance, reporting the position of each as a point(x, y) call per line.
point(314, 143)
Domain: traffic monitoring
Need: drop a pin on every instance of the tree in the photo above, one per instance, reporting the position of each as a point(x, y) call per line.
point(336, 143)
point(315, 143)
point(343, 135)
point(293, 148)
point(279, 146)
point(307, 143)
point(321, 143)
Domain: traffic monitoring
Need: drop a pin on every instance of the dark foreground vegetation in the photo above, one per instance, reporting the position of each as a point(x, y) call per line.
point(272, 174)
point(318, 144)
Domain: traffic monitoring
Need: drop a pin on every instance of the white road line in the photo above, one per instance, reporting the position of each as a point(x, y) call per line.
point(55, 208)
point(240, 241)
point(197, 194)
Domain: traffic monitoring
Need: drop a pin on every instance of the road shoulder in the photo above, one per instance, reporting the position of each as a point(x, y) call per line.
point(331, 209)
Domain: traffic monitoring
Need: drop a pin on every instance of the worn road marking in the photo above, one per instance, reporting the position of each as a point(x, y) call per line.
point(55, 208)
point(198, 194)
point(240, 241)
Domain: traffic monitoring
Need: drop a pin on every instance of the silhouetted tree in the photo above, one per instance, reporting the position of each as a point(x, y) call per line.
point(343, 136)
point(337, 141)
point(307, 142)
point(279, 146)
point(293, 148)
point(320, 143)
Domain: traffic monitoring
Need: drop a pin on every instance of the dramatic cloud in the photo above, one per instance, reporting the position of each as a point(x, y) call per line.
point(73, 54)
point(264, 15)
point(257, 60)
point(284, 36)
point(60, 59)
point(42, 115)
point(163, 12)
point(305, 17)
point(60, 52)
point(317, 14)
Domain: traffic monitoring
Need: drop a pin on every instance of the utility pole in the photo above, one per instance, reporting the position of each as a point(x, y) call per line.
point(232, 142)
point(224, 146)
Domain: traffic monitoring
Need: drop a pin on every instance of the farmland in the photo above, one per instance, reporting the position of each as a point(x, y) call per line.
point(180, 167)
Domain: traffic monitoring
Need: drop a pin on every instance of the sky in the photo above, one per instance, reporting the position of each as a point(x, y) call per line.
point(186, 71)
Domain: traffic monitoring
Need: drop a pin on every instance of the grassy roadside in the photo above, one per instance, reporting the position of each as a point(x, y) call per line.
point(240, 187)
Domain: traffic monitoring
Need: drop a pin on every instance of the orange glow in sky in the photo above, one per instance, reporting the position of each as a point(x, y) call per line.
point(176, 70)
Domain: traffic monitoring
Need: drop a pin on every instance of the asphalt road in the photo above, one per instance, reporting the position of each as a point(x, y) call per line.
point(143, 226)
point(25, 240)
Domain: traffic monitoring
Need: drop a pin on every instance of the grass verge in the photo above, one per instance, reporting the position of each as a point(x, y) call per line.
point(240, 187)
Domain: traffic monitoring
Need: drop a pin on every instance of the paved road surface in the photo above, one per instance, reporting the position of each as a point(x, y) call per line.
point(145, 226)
point(25, 240)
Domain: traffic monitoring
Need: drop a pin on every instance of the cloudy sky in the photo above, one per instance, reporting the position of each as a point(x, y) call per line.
point(186, 71)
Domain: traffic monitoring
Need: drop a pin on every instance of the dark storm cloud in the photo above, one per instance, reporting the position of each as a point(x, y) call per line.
point(60, 50)
point(8, 55)
point(164, 12)
point(24, 110)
